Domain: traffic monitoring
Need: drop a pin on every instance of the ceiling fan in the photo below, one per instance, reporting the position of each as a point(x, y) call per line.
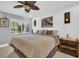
point(27, 5)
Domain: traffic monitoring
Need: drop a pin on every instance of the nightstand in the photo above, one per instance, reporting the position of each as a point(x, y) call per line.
point(69, 47)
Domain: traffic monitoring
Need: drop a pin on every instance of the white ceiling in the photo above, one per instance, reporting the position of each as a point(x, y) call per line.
point(46, 7)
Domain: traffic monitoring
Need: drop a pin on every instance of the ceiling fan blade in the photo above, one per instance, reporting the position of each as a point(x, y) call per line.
point(34, 7)
point(22, 2)
point(18, 6)
point(31, 2)
point(27, 10)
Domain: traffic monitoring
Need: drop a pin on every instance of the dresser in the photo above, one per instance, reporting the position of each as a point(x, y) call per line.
point(69, 47)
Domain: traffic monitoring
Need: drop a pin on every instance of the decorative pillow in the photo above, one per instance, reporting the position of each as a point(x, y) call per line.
point(55, 32)
point(50, 32)
point(38, 31)
point(45, 32)
point(42, 32)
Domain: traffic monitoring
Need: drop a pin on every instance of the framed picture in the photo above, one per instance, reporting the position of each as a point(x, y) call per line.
point(0, 22)
point(34, 22)
point(67, 17)
point(47, 22)
point(4, 22)
point(27, 28)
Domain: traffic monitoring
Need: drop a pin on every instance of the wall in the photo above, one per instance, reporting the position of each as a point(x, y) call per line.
point(38, 25)
point(72, 29)
point(5, 33)
point(58, 22)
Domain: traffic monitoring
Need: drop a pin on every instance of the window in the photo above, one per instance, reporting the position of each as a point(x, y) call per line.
point(19, 27)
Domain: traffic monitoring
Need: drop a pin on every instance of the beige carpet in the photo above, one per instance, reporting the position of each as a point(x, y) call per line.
point(6, 51)
point(62, 55)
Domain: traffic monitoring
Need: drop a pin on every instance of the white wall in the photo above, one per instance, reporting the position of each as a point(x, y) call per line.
point(38, 25)
point(5, 32)
point(72, 29)
point(58, 22)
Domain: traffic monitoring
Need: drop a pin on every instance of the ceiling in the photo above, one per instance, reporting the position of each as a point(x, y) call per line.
point(46, 7)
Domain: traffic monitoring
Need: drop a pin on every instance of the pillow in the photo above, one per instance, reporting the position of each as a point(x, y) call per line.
point(45, 32)
point(49, 32)
point(42, 32)
point(55, 32)
point(39, 32)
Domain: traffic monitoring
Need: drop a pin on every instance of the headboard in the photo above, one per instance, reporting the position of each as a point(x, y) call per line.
point(47, 32)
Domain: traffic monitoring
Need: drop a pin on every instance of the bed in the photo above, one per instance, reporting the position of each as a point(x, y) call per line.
point(36, 46)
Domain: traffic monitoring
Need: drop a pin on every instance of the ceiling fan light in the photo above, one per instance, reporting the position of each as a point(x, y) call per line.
point(26, 7)
point(27, 10)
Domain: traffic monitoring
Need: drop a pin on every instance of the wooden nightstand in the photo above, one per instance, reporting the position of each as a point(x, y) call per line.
point(69, 47)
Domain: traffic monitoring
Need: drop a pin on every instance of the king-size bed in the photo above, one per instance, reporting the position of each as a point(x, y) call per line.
point(36, 46)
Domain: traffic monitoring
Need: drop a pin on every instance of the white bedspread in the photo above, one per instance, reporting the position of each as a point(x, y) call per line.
point(34, 46)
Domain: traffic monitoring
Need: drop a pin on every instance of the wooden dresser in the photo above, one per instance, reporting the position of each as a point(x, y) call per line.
point(69, 47)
